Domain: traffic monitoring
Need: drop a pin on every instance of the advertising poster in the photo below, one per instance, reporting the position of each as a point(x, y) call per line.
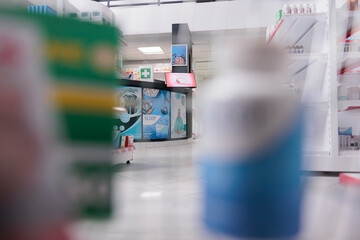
point(156, 111)
point(132, 73)
point(178, 115)
point(179, 55)
point(129, 122)
point(186, 80)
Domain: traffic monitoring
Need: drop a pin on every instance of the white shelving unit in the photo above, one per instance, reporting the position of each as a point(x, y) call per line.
point(316, 73)
point(347, 23)
point(292, 28)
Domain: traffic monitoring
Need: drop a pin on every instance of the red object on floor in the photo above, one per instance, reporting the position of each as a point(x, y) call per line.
point(46, 232)
point(349, 179)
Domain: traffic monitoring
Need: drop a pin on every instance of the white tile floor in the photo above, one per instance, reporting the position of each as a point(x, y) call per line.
point(158, 197)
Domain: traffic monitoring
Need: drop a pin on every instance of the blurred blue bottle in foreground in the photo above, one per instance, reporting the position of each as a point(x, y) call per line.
point(251, 155)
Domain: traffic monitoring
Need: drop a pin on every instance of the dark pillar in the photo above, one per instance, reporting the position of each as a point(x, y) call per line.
point(181, 35)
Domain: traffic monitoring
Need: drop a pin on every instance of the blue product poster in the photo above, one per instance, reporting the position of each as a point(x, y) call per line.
point(128, 111)
point(178, 115)
point(156, 112)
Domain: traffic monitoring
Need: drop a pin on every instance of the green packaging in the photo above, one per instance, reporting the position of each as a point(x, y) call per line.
point(278, 16)
point(80, 58)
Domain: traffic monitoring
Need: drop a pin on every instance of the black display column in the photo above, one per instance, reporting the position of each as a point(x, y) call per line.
point(181, 35)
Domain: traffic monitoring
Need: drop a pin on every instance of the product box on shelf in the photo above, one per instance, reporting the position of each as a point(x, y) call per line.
point(345, 131)
point(355, 141)
point(353, 93)
point(127, 141)
point(278, 16)
point(96, 16)
point(123, 142)
point(73, 15)
point(352, 5)
point(342, 93)
point(86, 16)
point(42, 9)
point(116, 139)
point(345, 135)
point(130, 141)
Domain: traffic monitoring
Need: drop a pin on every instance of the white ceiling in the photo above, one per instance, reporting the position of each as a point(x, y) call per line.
point(132, 53)
point(202, 43)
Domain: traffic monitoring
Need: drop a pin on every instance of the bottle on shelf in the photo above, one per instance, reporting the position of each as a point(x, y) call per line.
point(307, 8)
point(292, 50)
point(295, 9)
point(301, 8)
point(291, 7)
point(286, 9)
point(345, 134)
point(301, 49)
point(312, 7)
point(295, 49)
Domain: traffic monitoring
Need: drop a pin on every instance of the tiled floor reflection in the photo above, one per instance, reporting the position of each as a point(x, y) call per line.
point(158, 197)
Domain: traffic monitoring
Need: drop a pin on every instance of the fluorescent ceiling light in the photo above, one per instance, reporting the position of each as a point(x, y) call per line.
point(151, 194)
point(119, 109)
point(151, 50)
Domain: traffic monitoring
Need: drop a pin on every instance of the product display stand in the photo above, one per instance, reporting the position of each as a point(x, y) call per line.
point(123, 155)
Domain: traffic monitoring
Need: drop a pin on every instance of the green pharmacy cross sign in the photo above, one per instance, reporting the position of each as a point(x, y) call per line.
point(145, 73)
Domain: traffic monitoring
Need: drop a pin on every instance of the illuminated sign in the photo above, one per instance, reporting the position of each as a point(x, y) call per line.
point(186, 80)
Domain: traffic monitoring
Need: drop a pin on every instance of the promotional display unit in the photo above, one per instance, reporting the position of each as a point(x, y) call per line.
point(164, 111)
